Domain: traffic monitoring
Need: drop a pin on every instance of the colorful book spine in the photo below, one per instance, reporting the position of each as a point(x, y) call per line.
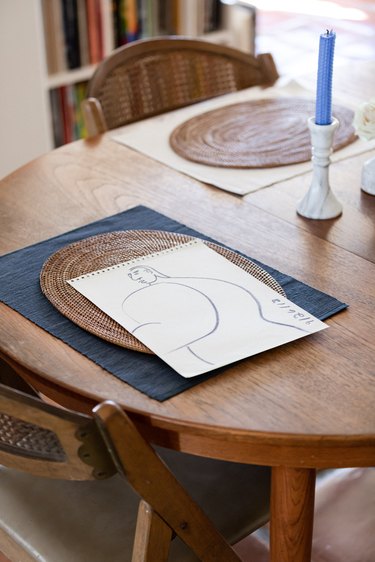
point(66, 113)
point(94, 30)
point(83, 33)
point(131, 18)
point(71, 33)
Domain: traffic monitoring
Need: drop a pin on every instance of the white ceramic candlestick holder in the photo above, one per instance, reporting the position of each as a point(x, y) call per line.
point(320, 202)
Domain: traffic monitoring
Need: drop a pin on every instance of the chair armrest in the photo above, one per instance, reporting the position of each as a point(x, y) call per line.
point(93, 117)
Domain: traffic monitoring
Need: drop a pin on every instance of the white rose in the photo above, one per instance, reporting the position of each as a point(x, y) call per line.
point(364, 120)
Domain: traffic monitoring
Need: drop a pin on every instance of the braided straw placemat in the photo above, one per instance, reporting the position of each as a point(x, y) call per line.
point(256, 134)
point(106, 250)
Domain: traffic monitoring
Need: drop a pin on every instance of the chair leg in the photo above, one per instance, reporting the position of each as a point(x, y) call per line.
point(152, 536)
point(157, 485)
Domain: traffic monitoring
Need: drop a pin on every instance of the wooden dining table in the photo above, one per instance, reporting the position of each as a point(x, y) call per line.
point(304, 406)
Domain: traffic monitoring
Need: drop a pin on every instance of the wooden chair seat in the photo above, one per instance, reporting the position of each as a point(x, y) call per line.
point(152, 76)
point(58, 519)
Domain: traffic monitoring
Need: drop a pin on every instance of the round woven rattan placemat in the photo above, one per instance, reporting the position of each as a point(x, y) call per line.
point(106, 250)
point(256, 134)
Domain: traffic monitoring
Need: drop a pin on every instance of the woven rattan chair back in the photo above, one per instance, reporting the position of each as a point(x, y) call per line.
point(152, 76)
point(49, 441)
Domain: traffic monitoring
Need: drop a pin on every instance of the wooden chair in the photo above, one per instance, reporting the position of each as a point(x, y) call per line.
point(70, 486)
point(152, 76)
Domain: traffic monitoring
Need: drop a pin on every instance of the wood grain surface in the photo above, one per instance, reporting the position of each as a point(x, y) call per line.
point(292, 500)
point(314, 396)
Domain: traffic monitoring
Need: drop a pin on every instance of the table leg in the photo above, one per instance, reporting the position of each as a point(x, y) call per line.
point(292, 514)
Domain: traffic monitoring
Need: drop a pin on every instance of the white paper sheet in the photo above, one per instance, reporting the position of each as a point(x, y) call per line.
point(194, 308)
point(151, 137)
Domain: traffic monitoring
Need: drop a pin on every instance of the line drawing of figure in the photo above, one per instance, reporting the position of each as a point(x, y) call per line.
point(163, 303)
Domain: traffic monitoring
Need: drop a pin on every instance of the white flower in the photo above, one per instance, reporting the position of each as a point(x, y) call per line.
point(364, 120)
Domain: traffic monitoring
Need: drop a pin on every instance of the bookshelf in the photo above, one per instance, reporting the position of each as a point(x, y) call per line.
point(46, 77)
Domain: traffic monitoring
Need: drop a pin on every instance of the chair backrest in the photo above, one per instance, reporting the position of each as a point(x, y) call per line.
point(152, 76)
point(49, 441)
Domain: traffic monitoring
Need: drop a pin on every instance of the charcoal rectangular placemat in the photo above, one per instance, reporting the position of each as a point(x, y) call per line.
point(20, 289)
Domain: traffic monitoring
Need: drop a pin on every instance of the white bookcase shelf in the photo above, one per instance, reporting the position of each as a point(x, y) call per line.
point(70, 76)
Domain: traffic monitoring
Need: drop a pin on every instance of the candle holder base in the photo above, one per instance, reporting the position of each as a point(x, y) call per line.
point(320, 202)
point(312, 206)
point(368, 176)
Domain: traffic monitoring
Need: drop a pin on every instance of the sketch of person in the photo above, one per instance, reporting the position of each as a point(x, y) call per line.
point(192, 316)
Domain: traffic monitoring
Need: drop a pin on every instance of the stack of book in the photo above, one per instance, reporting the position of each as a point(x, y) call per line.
point(73, 31)
point(80, 33)
point(67, 120)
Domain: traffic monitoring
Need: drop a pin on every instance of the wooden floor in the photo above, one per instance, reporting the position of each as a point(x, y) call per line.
point(344, 521)
point(293, 37)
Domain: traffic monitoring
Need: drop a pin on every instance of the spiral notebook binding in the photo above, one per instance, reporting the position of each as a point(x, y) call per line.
point(137, 260)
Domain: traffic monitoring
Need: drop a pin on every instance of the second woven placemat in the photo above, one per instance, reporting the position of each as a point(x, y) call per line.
point(256, 134)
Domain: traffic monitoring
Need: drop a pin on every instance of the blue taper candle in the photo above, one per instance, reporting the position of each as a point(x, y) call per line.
point(323, 110)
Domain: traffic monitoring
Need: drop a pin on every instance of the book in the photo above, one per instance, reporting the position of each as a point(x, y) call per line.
point(54, 36)
point(84, 47)
point(71, 33)
point(131, 18)
point(194, 308)
point(80, 94)
point(120, 22)
point(212, 10)
point(106, 7)
point(57, 117)
point(67, 112)
point(49, 37)
point(188, 21)
point(94, 24)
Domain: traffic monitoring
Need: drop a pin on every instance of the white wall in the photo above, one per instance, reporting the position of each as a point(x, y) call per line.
point(24, 130)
